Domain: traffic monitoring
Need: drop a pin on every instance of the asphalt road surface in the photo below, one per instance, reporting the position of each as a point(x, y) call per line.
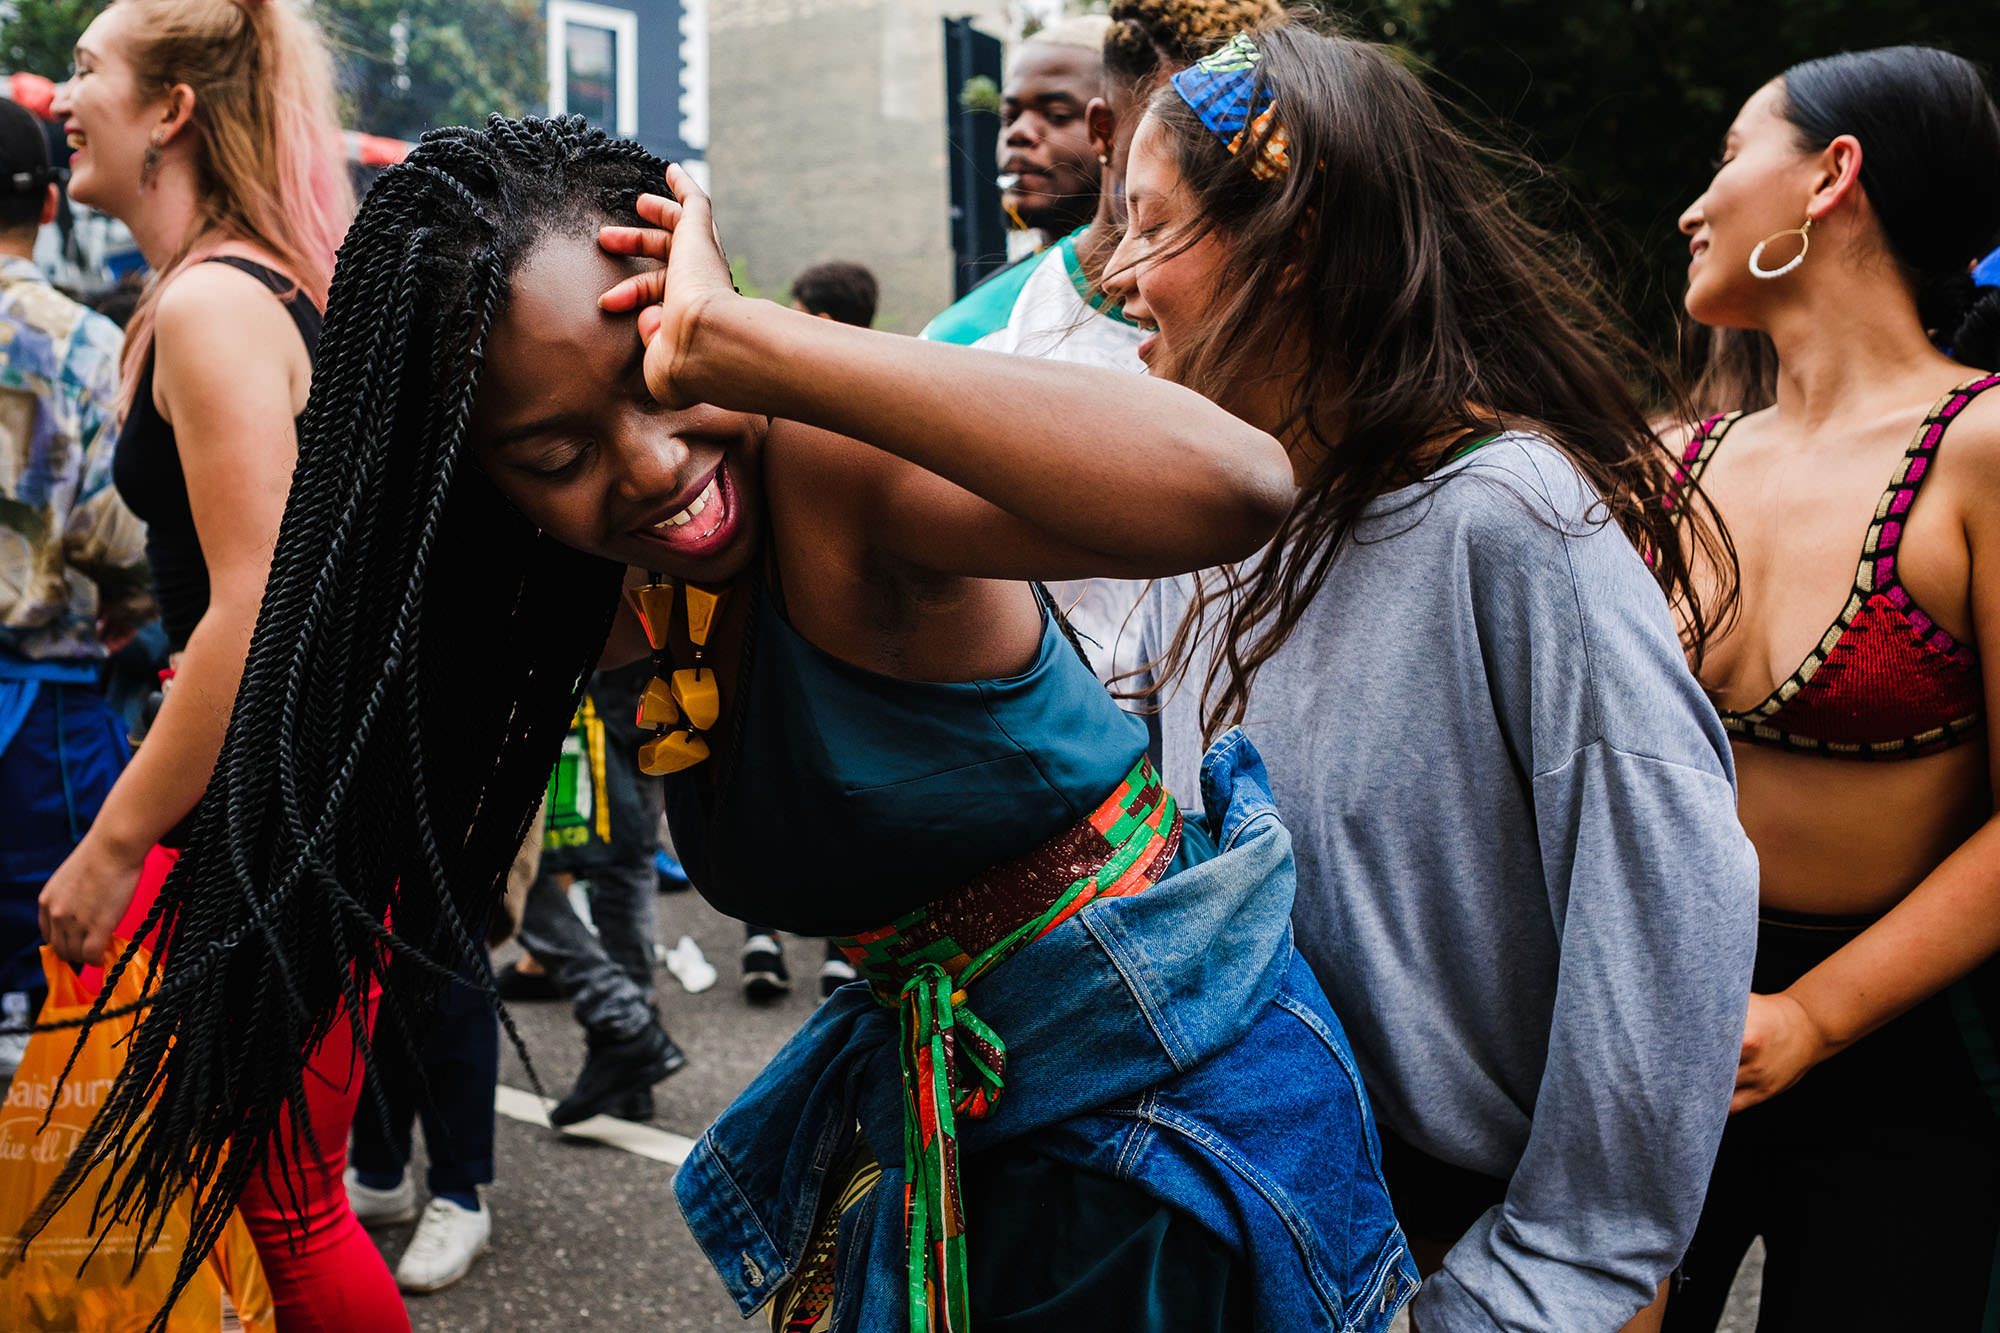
point(585, 1232)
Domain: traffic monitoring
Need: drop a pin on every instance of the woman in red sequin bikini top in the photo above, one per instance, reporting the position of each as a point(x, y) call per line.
point(1885, 681)
point(1853, 196)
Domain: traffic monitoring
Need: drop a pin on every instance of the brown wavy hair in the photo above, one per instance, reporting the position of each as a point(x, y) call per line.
point(1426, 311)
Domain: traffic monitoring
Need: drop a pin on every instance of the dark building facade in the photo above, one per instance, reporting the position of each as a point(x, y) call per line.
point(638, 68)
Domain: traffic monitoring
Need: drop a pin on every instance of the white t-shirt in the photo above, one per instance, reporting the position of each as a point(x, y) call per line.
point(1044, 306)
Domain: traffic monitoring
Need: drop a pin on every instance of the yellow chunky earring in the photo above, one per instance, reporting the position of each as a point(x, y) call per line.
point(679, 705)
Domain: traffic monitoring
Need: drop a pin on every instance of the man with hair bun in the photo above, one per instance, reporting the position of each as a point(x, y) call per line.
point(1145, 42)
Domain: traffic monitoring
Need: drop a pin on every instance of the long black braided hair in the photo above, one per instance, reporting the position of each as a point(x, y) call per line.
point(419, 654)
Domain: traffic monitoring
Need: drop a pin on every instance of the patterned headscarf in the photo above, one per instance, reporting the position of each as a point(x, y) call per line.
point(1220, 91)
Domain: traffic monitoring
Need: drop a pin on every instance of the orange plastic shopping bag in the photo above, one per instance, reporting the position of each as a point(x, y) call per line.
point(61, 1284)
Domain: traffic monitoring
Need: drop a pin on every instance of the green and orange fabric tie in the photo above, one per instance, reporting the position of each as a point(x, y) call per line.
point(953, 1064)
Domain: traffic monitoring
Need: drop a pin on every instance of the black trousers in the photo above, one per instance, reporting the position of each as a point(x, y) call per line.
point(448, 1085)
point(1875, 1181)
point(1436, 1202)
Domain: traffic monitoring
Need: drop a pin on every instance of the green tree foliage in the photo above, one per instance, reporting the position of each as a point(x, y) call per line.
point(1628, 100)
point(37, 36)
point(412, 65)
point(980, 94)
point(406, 65)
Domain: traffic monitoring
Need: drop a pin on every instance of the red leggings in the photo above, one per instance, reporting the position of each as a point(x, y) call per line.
point(331, 1278)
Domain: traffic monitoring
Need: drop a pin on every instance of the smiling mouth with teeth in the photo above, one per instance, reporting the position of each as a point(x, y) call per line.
point(695, 506)
point(74, 139)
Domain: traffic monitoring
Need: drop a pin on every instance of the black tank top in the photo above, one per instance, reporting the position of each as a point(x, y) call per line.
point(147, 469)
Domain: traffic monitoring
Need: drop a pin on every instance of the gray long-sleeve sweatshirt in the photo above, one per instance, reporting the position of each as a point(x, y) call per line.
point(1521, 877)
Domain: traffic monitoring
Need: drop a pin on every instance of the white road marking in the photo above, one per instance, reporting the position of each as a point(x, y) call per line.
point(643, 1140)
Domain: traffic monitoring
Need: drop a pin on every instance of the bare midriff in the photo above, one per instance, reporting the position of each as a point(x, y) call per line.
point(1843, 838)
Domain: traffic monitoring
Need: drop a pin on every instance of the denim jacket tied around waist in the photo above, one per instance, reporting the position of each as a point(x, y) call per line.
point(1154, 1039)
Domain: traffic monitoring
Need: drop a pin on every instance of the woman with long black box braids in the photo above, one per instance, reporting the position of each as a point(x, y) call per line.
point(345, 768)
point(908, 756)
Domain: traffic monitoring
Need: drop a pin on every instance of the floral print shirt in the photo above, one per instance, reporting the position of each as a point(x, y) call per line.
point(70, 551)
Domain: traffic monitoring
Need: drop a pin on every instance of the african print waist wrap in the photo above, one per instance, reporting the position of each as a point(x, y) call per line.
point(954, 1064)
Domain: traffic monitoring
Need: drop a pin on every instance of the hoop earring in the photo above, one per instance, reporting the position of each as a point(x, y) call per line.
point(149, 166)
point(1757, 269)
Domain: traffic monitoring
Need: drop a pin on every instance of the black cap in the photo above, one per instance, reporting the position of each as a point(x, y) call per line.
point(24, 150)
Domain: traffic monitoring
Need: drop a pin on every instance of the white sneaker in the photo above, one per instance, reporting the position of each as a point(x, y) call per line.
point(448, 1239)
point(13, 1050)
point(13, 1044)
point(833, 974)
point(382, 1208)
point(690, 966)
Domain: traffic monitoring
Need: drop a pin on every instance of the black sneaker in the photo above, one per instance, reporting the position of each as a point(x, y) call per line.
point(614, 1070)
point(764, 974)
point(637, 1106)
point(516, 986)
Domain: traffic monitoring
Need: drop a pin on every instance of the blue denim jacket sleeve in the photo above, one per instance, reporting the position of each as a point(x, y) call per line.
point(1172, 1038)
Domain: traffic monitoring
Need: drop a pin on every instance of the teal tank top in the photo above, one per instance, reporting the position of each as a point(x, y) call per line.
point(844, 799)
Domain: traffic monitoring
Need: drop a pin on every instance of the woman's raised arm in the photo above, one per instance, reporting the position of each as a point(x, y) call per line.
point(1146, 476)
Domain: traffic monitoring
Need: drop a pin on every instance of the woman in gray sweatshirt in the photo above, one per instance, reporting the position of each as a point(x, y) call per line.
point(1521, 877)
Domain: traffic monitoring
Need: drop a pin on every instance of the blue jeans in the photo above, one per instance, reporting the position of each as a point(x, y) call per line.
point(1173, 1039)
point(61, 748)
point(609, 975)
point(448, 1084)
